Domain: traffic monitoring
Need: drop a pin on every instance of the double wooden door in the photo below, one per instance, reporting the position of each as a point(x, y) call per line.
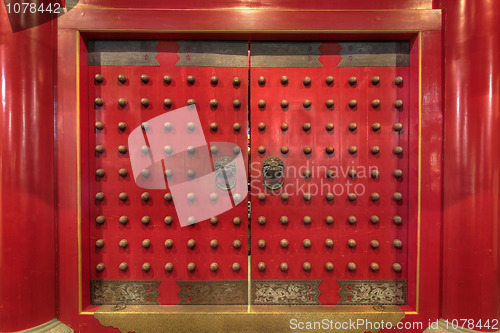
point(215, 168)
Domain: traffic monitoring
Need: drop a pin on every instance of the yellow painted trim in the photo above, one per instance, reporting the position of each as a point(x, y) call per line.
point(245, 9)
point(79, 172)
point(251, 31)
point(234, 318)
point(419, 177)
point(249, 306)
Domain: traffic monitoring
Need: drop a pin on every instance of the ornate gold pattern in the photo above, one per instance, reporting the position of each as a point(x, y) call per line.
point(230, 318)
point(304, 292)
point(373, 292)
point(123, 292)
point(213, 292)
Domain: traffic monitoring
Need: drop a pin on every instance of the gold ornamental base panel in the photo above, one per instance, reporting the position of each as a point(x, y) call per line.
point(255, 318)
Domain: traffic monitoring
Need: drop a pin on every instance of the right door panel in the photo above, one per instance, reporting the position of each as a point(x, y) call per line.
point(329, 172)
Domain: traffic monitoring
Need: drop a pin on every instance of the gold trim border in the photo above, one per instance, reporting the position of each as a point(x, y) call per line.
point(79, 172)
point(419, 177)
point(249, 31)
point(275, 318)
point(246, 9)
point(249, 308)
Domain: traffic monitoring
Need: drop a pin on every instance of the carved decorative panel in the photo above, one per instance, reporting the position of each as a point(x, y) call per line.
point(382, 292)
point(285, 292)
point(124, 292)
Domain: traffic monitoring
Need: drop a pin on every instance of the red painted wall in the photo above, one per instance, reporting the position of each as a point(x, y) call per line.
point(471, 270)
point(27, 183)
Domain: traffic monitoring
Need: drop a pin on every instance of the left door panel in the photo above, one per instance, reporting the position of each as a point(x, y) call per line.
point(142, 248)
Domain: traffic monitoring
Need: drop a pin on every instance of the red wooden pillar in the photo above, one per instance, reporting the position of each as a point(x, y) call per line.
point(27, 225)
point(471, 251)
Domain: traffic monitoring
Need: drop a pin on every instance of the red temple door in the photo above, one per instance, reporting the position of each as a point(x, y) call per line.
point(330, 177)
point(330, 131)
point(144, 237)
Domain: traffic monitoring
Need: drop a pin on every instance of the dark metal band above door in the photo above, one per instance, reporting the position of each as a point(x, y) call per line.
point(212, 53)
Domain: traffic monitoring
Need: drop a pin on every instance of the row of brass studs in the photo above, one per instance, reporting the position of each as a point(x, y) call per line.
point(214, 80)
point(146, 243)
point(168, 267)
point(307, 174)
point(374, 219)
point(145, 196)
point(398, 173)
point(145, 102)
point(284, 243)
point(329, 126)
point(398, 104)
point(190, 79)
point(168, 126)
point(168, 219)
point(122, 172)
point(123, 149)
point(330, 196)
point(123, 196)
point(398, 150)
point(329, 80)
point(168, 149)
point(351, 266)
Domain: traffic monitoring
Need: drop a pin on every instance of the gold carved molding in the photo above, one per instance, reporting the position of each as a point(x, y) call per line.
point(230, 318)
point(364, 292)
point(213, 292)
point(289, 292)
point(124, 292)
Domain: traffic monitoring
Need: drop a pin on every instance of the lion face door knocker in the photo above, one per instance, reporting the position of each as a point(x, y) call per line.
point(225, 173)
point(273, 170)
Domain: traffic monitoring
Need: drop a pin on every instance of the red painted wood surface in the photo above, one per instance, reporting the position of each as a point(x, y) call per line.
point(27, 183)
point(255, 21)
point(157, 208)
point(471, 266)
point(260, 4)
point(341, 161)
point(429, 263)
